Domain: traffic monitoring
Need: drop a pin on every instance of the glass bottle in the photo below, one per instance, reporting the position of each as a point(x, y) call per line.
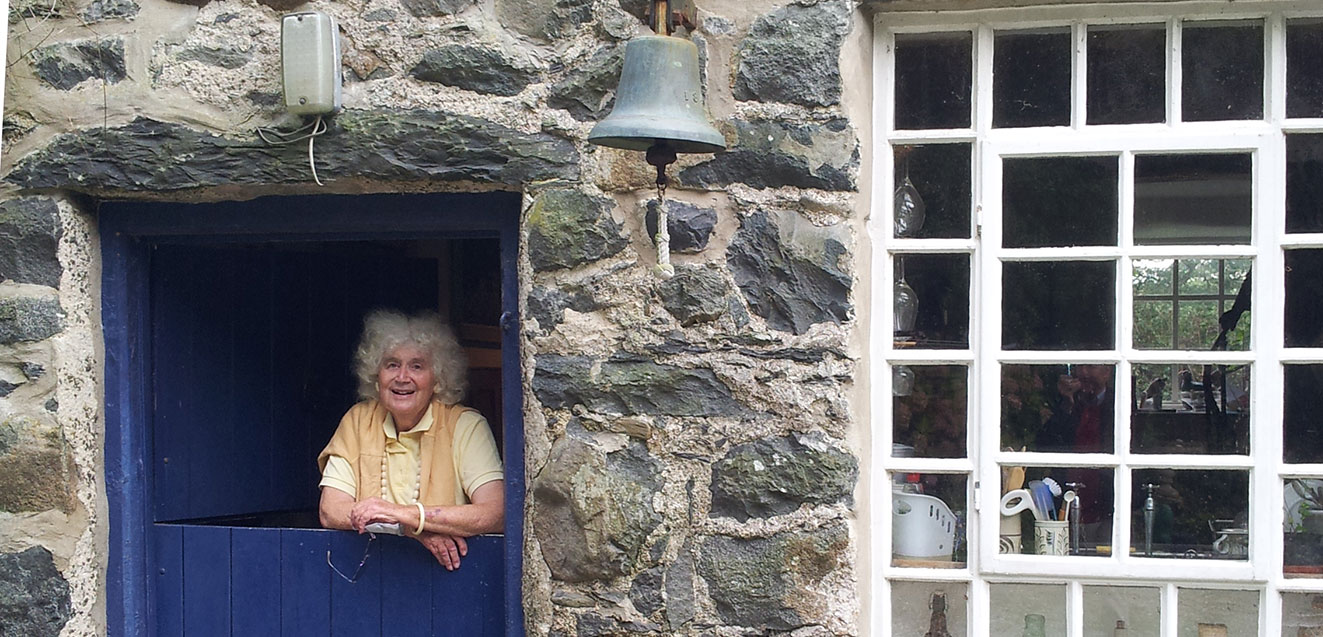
point(1035, 625)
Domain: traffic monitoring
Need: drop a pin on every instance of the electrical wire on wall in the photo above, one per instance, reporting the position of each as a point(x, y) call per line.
point(309, 132)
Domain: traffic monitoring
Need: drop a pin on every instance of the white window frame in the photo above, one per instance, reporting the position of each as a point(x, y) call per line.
point(1267, 471)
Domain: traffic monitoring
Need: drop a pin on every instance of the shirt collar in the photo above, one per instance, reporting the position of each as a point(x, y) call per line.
point(423, 425)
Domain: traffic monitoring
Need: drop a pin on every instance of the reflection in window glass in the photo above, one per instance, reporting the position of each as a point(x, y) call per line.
point(940, 174)
point(1302, 428)
point(1055, 305)
point(1031, 78)
point(1021, 609)
point(1187, 408)
point(1059, 201)
point(939, 287)
point(1304, 75)
point(1046, 525)
point(1304, 183)
point(1154, 276)
point(1107, 608)
point(1217, 612)
point(1302, 614)
point(917, 607)
point(1127, 74)
point(1058, 407)
point(1302, 528)
point(1193, 199)
point(1153, 324)
point(1194, 513)
point(1190, 310)
point(1222, 67)
point(1304, 298)
point(934, 73)
point(928, 516)
point(930, 421)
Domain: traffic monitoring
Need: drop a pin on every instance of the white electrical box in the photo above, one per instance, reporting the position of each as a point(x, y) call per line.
point(310, 63)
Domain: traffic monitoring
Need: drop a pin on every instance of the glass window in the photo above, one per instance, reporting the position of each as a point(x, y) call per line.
point(1222, 63)
point(1031, 78)
point(1127, 74)
point(934, 73)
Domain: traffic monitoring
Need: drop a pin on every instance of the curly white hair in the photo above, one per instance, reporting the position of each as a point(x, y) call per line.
point(384, 330)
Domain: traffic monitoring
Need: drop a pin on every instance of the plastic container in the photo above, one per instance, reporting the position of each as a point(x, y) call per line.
point(922, 527)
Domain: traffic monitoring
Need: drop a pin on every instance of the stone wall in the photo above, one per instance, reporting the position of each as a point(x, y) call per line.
point(692, 442)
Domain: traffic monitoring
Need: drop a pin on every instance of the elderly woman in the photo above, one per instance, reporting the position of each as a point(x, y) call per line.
point(409, 454)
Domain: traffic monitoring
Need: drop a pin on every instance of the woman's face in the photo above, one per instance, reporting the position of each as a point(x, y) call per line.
point(405, 383)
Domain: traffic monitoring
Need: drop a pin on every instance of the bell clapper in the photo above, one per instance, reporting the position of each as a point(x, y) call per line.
point(662, 155)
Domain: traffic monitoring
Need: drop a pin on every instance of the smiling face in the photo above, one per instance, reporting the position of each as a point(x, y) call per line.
point(405, 384)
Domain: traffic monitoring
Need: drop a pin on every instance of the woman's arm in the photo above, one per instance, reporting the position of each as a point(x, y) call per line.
point(485, 513)
point(334, 509)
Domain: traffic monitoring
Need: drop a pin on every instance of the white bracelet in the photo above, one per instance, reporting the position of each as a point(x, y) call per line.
point(422, 519)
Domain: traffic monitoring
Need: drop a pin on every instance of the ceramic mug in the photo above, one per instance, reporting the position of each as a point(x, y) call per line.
point(1232, 543)
point(1051, 537)
point(1010, 535)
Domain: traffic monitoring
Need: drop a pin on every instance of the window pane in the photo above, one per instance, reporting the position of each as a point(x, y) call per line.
point(1304, 298)
point(1031, 78)
point(1153, 324)
point(928, 520)
point(938, 293)
point(1302, 614)
point(1127, 74)
point(1222, 69)
point(1199, 276)
point(918, 606)
point(1108, 608)
point(1302, 526)
point(1304, 183)
point(1058, 407)
point(1046, 532)
point(1197, 324)
point(1302, 432)
point(934, 73)
point(940, 174)
point(1024, 609)
point(1059, 201)
point(1055, 305)
point(1196, 513)
point(1190, 418)
point(1217, 613)
point(1189, 199)
point(930, 419)
point(1153, 276)
point(1304, 75)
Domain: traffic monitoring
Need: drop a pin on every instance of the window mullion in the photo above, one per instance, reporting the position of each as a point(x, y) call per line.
point(1079, 75)
point(1173, 71)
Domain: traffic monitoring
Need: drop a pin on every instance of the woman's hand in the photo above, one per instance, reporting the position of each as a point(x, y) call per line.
point(446, 548)
point(374, 509)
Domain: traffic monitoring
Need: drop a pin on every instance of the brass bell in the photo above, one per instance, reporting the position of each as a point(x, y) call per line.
point(659, 104)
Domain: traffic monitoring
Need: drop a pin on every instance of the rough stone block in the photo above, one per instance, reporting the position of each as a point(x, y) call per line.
point(29, 236)
point(220, 56)
point(390, 145)
point(593, 510)
point(34, 596)
point(765, 583)
point(26, 319)
point(568, 228)
point(588, 89)
point(696, 294)
point(775, 476)
point(791, 271)
point(792, 55)
point(66, 64)
point(433, 8)
point(35, 479)
point(645, 592)
point(543, 20)
point(772, 154)
point(473, 68)
point(690, 226)
point(632, 387)
point(548, 304)
point(102, 10)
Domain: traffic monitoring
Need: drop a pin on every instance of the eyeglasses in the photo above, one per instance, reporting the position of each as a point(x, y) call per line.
point(358, 571)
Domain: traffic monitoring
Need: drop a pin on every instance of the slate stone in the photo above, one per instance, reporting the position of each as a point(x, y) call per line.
point(680, 589)
point(380, 15)
point(6, 388)
point(66, 64)
point(34, 596)
point(473, 68)
point(282, 5)
point(760, 582)
point(646, 591)
point(32, 371)
point(588, 89)
point(637, 8)
point(390, 145)
point(34, 479)
point(632, 387)
point(52, 405)
point(102, 10)
point(775, 476)
point(262, 98)
point(433, 8)
point(772, 154)
point(30, 233)
point(568, 228)
point(26, 319)
point(220, 56)
point(593, 510)
point(792, 55)
point(696, 294)
point(548, 304)
point(690, 226)
point(611, 625)
point(791, 271)
point(544, 20)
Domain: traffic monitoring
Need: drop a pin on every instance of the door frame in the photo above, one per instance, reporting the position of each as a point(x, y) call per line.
point(128, 231)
